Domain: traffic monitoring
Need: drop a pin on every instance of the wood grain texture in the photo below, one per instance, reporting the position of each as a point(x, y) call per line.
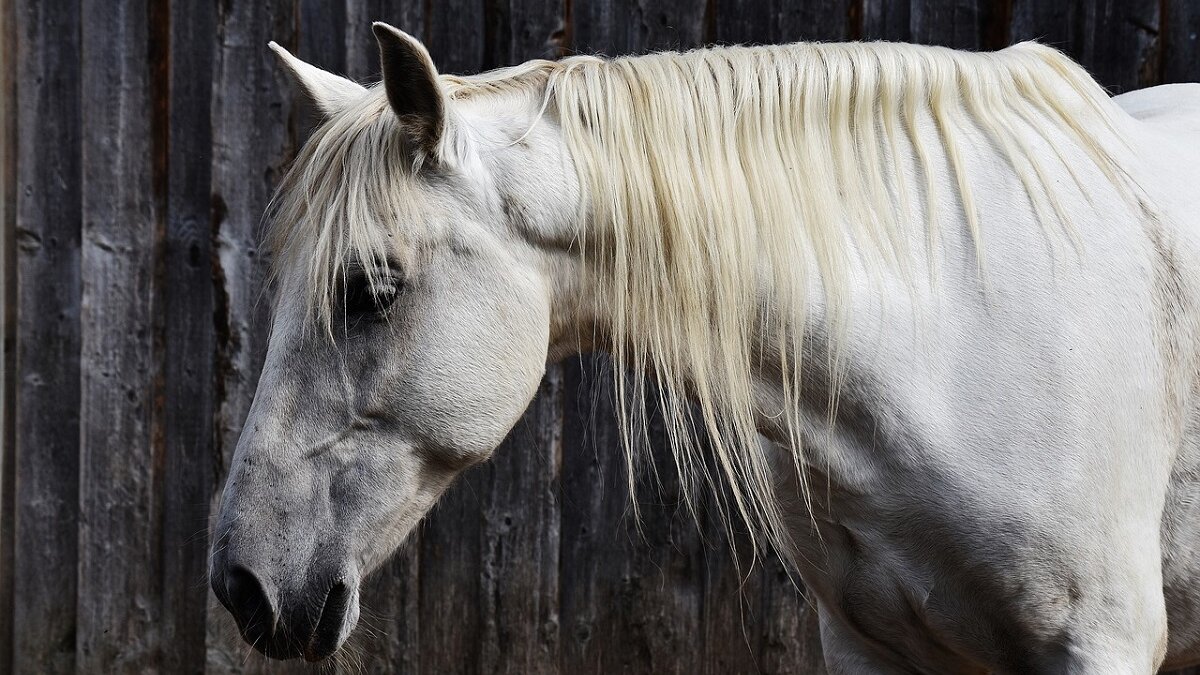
point(48, 337)
point(619, 27)
point(120, 457)
point(1181, 41)
point(188, 335)
point(8, 325)
point(454, 34)
point(519, 570)
point(1118, 41)
point(631, 596)
point(962, 24)
point(780, 21)
point(518, 30)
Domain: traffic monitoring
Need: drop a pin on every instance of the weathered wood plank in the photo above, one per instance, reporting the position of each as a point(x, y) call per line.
point(788, 626)
point(8, 325)
point(519, 30)
point(781, 21)
point(520, 548)
point(732, 618)
point(1181, 41)
point(454, 34)
point(388, 637)
point(632, 27)
point(48, 341)
point(189, 343)
point(120, 458)
point(252, 144)
point(1118, 42)
point(962, 24)
point(631, 595)
point(594, 501)
point(449, 620)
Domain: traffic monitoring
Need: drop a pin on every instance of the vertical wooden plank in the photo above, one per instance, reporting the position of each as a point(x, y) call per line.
point(887, 20)
point(189, 343)
point(252, 144)
point(388, 637)
point(1181, 41)
point(950, 23)
point(120, 465)
point(1116, 40)
point(618, 27)
point(733, 592)
point(961, 24)
point(595, 562)
point(519, 30)
point(631, 596)
point(362, 58)
point(520, 549)
point(321, 34)
point(781, 21)
point(787, 626)
point(454, 34)
point(8, 315)
point(47, 332)
point(451, 579)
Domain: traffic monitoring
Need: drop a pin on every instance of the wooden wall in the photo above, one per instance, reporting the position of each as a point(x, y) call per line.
point(140, 141)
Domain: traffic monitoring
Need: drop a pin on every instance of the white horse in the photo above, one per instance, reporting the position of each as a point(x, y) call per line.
point(957, 291)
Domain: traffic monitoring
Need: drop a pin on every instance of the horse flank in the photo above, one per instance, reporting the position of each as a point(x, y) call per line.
point(701, 170)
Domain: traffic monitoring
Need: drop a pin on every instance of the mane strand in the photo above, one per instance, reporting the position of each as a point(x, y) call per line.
point(700, 165)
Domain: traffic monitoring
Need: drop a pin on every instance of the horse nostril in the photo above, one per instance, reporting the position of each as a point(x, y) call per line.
point(249, 604)
point(327, 635)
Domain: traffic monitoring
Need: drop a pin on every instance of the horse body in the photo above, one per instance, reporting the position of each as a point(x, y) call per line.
point(990, 497)
point(1008, 481)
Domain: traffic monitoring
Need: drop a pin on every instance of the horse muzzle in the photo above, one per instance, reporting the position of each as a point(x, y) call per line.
point(312, 620)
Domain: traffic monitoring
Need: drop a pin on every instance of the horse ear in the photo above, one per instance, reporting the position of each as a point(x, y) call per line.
point(328, 92)
point(411, 82)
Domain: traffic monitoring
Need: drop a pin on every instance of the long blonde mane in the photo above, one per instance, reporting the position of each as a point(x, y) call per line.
point(710, 177)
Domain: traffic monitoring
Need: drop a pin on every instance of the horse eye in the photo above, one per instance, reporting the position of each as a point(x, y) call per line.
point(362, 300)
